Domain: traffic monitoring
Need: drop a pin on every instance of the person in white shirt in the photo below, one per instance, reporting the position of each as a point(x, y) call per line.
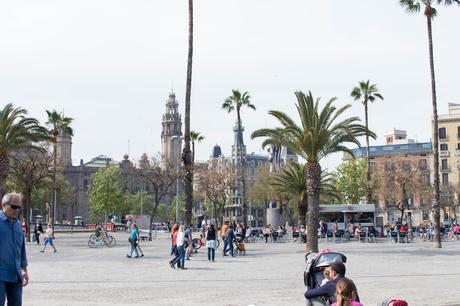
point(180, 258)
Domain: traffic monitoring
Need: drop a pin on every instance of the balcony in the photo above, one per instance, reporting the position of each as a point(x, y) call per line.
point(444, 153)
point(445, 169)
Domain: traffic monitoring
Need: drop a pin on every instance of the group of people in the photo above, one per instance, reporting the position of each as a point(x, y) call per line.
point(337, 290)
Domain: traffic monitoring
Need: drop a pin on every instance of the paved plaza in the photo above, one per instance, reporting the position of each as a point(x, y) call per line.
point(270, 274)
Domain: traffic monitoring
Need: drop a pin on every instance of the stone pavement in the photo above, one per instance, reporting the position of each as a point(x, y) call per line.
point(270, 274)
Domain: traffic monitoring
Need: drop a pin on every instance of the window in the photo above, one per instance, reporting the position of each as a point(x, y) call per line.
point(443, 147)
point(426, 180)
point(444, 164)
point(423, 165)
point(445, 179)
point(406, 165)
point(442, 133)
point(458, 146)
point(458, 131)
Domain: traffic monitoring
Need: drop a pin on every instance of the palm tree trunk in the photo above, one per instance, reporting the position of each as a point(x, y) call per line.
point(4, 171)
point(302, 210)
point(368, 173)
point(53, 200)
point(187, 156)
point(312, 173)
point(243, 174)
point(436, 207)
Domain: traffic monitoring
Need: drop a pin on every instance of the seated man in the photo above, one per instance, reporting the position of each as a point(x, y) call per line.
point(335, 272)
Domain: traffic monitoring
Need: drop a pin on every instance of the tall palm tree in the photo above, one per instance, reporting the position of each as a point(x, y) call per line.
point(195, 137)
point(235, 102)
point(187, 154)
point(58, 124)
point(291, 181)
point(16, 131)
point(320, 134)
point(414, 6)
point(368, 93)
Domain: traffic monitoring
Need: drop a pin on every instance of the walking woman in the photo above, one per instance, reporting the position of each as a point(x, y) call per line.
point(174, 252)
point(211, 243)
point(134, 236)
point(180, 257)
point(49, 237)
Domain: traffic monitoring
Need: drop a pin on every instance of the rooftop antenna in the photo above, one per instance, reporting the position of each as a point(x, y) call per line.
point(129, 142)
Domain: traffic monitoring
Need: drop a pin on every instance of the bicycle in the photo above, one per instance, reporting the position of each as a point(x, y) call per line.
point(103, 239)
point(197, 243)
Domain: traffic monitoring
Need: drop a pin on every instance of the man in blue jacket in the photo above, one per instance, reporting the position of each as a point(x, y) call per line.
point(336, 272)
point(228, 246)
point(13, 260)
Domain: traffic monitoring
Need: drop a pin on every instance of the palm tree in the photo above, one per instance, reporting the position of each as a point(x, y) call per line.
point(319, 135)
point(368, 93)
point(58, 124)
point(187, 154)
point(16, 132)
point(291, 181)
point(413, 6)
point(195, 136)
point(235, 102)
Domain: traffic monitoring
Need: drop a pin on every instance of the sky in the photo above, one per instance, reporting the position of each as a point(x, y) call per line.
point(110, 65)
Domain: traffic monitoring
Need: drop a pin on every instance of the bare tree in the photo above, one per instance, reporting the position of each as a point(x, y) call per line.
point(30, 169)
point(401, 182)
point(159, 177)
point(215, 184)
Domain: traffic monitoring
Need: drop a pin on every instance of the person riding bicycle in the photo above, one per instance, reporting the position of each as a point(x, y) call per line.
point(98, 230)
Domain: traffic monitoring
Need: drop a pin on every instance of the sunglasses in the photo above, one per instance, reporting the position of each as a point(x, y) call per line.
point(15, 206)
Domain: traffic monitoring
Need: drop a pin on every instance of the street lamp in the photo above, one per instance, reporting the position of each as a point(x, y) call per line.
point(177, 138)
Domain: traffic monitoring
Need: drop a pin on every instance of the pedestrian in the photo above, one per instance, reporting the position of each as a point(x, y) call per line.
point(211, 243)
point(267, 232)
point(49, 237)
point(174, 252)
point(229, 237)
point(346, 293)
point(38, 229)
point(180, 257)
point(133, 240)
point(223, 232)
point(13, 259)
point(188, 242)
point(24, 227)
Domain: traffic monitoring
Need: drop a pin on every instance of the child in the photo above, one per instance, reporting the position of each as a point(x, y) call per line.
point(346, 293)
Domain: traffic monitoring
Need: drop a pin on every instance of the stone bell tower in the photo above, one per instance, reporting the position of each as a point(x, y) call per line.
point(171, 134)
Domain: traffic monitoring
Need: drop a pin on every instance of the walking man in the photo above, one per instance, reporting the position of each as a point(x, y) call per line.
point(13, 260)
point(230, 236)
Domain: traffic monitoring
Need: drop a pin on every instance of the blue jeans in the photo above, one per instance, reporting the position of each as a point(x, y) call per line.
point(224, 250)
point(12, 292)
point(211, 254)
point(134, 248)
point(228, 246)
point(180, 259)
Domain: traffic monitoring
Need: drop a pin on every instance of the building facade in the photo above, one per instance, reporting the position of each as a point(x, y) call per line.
point(397, 156)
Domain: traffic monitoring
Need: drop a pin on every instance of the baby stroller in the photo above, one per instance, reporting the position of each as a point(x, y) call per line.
point(239, 245)
point(315, 265)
